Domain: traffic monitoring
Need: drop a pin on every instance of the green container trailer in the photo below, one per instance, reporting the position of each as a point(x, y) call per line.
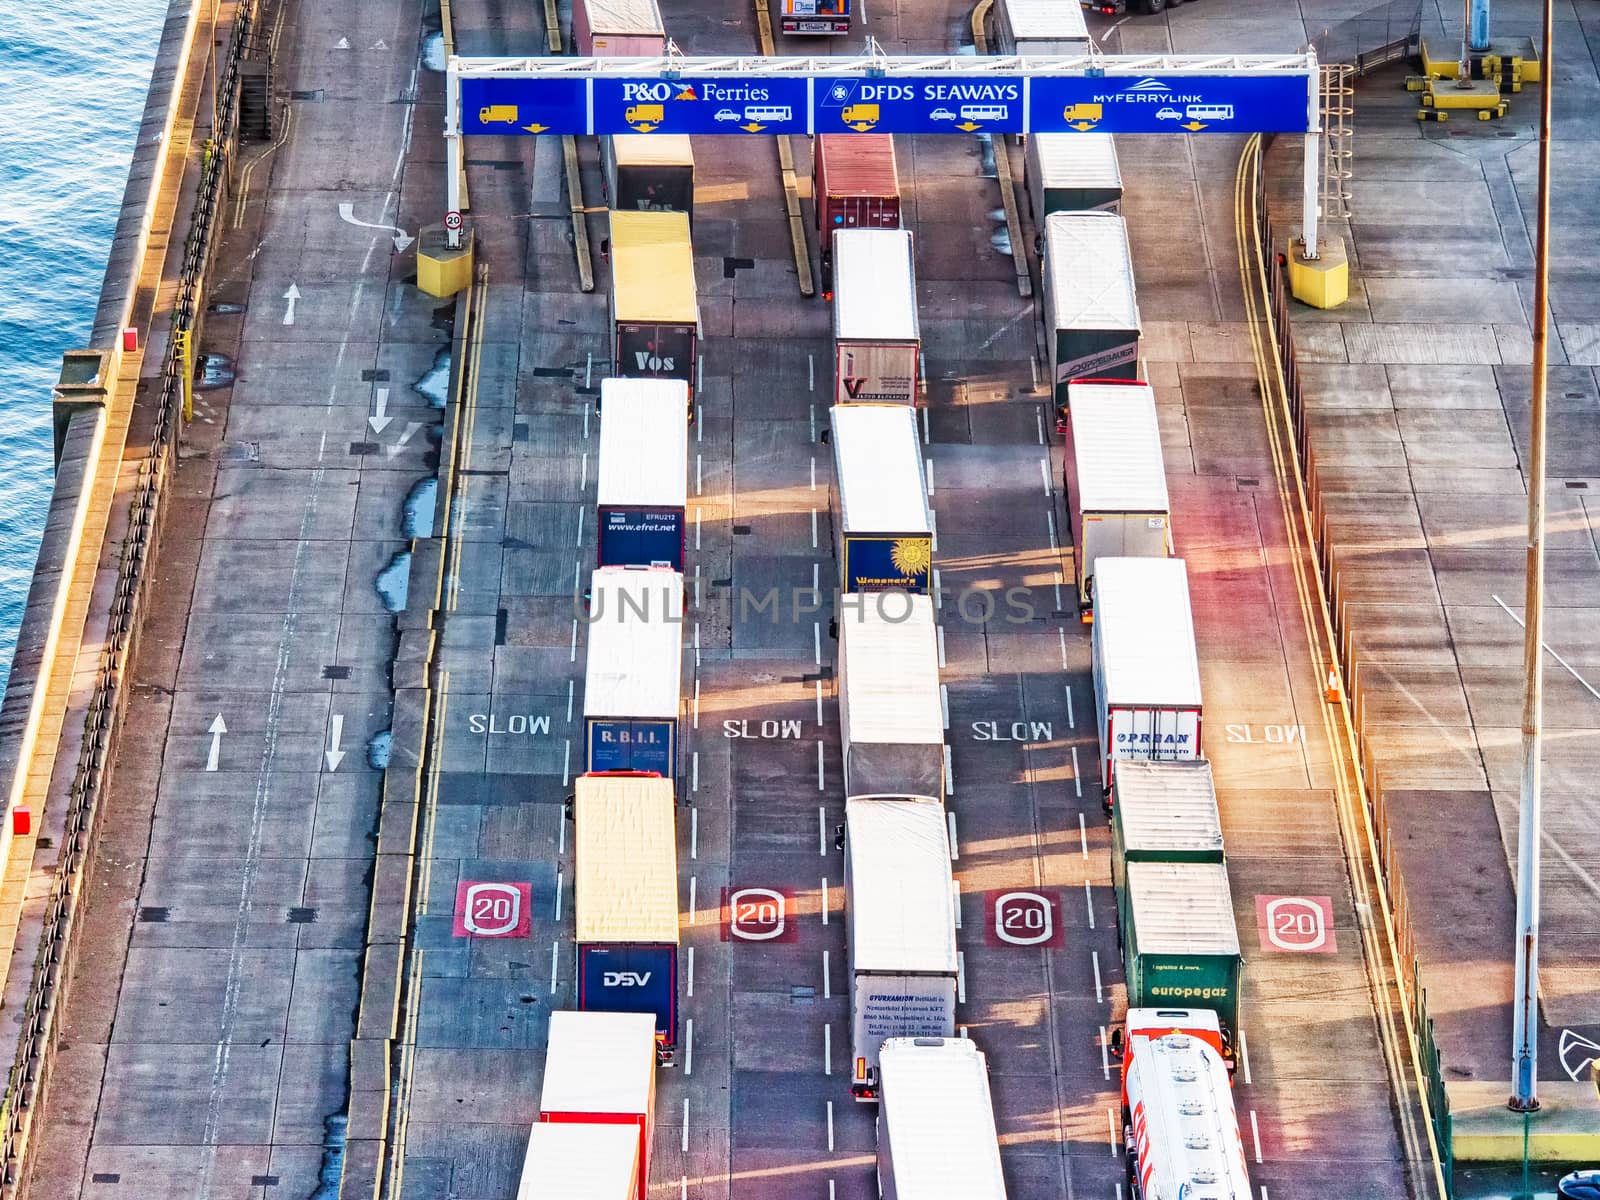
point(1179, 942)
point(1163, 812)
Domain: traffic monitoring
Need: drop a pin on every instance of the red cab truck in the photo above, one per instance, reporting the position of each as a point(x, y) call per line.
point(856, 186)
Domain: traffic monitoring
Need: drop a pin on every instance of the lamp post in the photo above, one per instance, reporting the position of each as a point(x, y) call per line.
point(1525, 1000)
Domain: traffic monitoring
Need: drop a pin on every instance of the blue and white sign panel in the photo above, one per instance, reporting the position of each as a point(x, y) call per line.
point(1274, 102)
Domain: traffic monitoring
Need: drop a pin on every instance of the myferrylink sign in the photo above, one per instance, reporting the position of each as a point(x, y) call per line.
point(748, 100)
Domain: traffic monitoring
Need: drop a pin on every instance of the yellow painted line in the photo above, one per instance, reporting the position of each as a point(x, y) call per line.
point(408, 1058)
point(791, 187)
point(1275, 406)
point(552, 26)
point(430, 797)
point(249, 168)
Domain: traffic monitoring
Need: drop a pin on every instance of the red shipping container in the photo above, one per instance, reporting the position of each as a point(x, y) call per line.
point(857, 186)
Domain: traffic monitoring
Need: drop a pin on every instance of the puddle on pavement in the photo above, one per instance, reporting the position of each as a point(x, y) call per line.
point(378, 749)
point(393, 580)
point(435, 385)
point(332, 1158)
point(225, 309)
point(1000, 239)
point(433, 52)
point(416, 520)
point(986, 167)
point(213, 371)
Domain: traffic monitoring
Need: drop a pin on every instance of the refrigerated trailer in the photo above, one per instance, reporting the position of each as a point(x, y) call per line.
point(655, 313)
point(1116, 479)
point(883, 530)
point(650, 172)
point(618, 29)
point(600, 1071)
point(1040, 27)
point(625, 900)
point(1146, 671)
point(891, 715)
point(1072, 172)
point(1179, 1124)
point(856, 185)
point(1091, 306)
point(633, 675)
point(644, 473)
point(936, 1131)
point(581, 1162)
point(1163, 812)
point(900, 928)
point(1180, 946)
point(876, 339)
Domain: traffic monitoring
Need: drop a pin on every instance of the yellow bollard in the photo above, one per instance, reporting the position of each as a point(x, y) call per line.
point(186, 357)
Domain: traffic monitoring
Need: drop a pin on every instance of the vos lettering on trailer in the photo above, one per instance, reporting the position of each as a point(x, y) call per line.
point(656, 352)
point(887, 564)
point(631, 979)
point(638, 537)
point(768, 103)
point(636, 745)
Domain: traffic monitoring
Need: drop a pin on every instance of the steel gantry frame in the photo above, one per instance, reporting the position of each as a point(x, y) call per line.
point(876, 65)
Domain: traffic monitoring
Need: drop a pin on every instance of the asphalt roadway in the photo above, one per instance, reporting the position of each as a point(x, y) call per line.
point(208, 1054)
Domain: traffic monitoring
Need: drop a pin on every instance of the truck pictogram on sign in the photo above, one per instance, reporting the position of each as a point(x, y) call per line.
point(758, 914)
point(1296, 924)
point(493, 910)
point(1018, 918)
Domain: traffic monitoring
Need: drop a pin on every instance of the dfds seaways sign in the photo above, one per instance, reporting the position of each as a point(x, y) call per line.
point(927, 102)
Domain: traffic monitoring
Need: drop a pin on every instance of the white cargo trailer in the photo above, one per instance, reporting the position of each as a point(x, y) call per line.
point(883, 531)
point(1116, 479)
point(1146, 671)
point(900, 925)
point(1072, 172)
point(936, 1132)
point(633, 676)
point(877, 343)
point(890, 712)
point(1091, 306)
point(600, 1067)
point(644, 473)
point(581, 1162)
point(1041, 27)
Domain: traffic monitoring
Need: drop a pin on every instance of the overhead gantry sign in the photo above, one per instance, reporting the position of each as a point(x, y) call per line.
point(875, 93)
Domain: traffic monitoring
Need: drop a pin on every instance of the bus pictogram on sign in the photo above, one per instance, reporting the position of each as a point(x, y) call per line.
point(1296, 924)
point(493, 910)
point(1017, 918)
point(758, 914)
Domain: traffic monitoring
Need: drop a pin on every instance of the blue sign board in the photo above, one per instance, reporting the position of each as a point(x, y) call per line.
point(631, 978)
point(640, 537)
point(926, 102)
point(621, 744)
point(884, 563)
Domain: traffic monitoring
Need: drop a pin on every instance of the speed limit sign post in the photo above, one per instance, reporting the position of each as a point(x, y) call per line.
point(452, 220)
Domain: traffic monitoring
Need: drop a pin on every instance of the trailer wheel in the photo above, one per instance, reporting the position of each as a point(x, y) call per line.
point(1154, 7)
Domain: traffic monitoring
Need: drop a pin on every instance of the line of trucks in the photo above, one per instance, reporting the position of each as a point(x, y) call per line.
point(1183, 965)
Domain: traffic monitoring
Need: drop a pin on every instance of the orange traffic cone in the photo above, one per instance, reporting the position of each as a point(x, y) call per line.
point(1332, 690)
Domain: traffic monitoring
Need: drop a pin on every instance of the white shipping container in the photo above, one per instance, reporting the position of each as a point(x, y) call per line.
point(580, 1162)
point(635, 662)
point(602, 1066)
point(876, 336)
point(936, 1131)
point(618, 28)
point(1146, 671)
point(644, 443)
point(1041, 27)
point(877, 456)
point(900, 927)
point(1091, 303)
point(890, 713)
point(1072, 172)
point(1116, 478)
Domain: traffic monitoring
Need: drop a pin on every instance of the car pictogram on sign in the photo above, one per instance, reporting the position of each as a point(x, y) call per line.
point(1296, 924)
point(493, 910)
point(1023, 918)
point(758, 914)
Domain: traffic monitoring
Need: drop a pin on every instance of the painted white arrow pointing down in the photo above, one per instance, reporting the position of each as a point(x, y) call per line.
point(401, 239)
point(380, 418)
point(334, 756)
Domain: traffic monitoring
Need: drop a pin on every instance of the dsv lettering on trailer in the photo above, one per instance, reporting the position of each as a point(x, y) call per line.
point(625, 978)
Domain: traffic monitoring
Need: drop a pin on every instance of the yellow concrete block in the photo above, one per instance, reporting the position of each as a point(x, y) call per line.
point(1325, 281)
point(1464, 93)
point(442, 271)
point(1566, 1129)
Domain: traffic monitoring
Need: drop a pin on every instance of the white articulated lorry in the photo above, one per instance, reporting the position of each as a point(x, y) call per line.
point(900, 922)
point(936, 1134)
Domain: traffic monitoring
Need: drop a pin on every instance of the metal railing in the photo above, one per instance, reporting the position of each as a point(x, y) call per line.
point(30, 1072)
point(1384, 34)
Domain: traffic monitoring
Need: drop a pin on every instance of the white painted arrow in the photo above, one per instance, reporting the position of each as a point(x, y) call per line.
point(291, 296)
point(342, 44)
point(410, 432)
point(401, 239)
point(380, 418)
point(217, 729)
point(334, 756)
